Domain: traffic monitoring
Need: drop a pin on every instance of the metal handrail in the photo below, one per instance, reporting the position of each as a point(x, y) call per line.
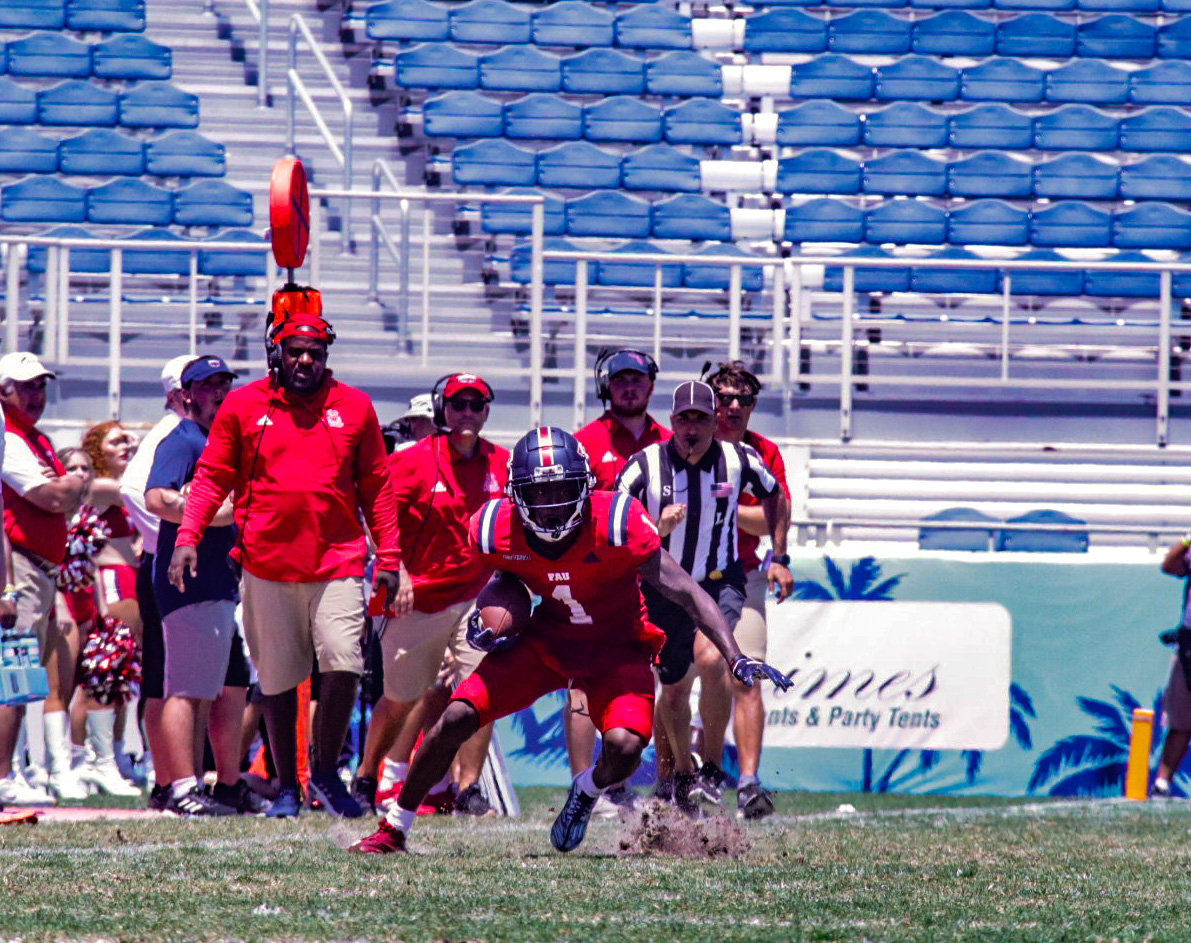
point(297, 87)
point(260, 13)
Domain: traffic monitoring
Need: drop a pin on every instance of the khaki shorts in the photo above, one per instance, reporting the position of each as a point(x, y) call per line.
point(287, 624)
point(36, 593)
point(413, 649)
point(751, 633)
point(1176, 701)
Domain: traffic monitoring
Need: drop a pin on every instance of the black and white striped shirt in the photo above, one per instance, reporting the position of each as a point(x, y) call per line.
point(705, 541)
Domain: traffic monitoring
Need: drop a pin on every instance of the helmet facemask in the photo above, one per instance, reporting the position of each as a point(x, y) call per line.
point(551, 505)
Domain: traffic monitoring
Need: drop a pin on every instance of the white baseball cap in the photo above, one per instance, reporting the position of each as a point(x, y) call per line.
point(21, 365)
point(171, 373)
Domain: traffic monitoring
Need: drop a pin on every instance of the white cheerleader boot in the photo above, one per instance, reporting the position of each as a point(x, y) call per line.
point(64, 782)
point(100, 770)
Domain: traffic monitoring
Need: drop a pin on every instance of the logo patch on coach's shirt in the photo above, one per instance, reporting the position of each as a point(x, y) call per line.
point(491, 485)
point(264, 420)
point(334, 420)
point(439, 486)
point(609, 456)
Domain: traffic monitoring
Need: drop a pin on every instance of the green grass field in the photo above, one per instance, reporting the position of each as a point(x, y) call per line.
point(899, 869)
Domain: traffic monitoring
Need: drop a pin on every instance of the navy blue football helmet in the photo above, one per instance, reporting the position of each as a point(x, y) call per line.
point(550, 481)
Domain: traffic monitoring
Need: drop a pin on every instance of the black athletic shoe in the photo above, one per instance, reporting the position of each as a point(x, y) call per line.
point(709, 784)
point(364, 789)
point(159, 798)
point(571, 824)
point(754, 801)
point(239, 797)
point(663, 789)
point(328, 789)
point(197, 804)
point(684, 799)
point(472, 802)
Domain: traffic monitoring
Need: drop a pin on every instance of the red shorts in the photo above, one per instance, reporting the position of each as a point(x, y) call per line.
point(116, 582)
point(80, 603)
point(618, 682)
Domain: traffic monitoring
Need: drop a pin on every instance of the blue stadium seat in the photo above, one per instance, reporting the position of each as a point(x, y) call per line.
point(130, 201)
point(407, 20)
point(990, 126)
point(1071, 223)
point(653, 26)
point(1087, 80)
point(240, 262)
point(691, 216)
point(818, 122)
point(1156, 129)
point(77, 103)
point(905, 221)
point(950, 4)
point(1001, 80)
point(579, 165)
point(185, 154)
point(868, 279)
point(1174, 40)
point(436, 65)
point(905, 124)
point(1048, 5)
point(953, 33)
point(1176, 6)
point(1044, 541)
point(622, 118)
point(106, 16)
point(520, 69)
point(1075, 128)
point(698, 275)
point(608, 213)
point(131, 56)
point(1120, 6)
point(18, 103)
point(990, 173)
point(83, 261)
point(856, 4)
point(155, 261)
point(684, 74)
point(1166, 83)
point(543, 116)
point(517, 219)
point(1044, 281)
point(212, 203)
point(459, 114)
point(824, 220)
point(660, 167)
point(52, 55)
point(33, 14)
point(831, 76)
point(1116, 36)
point(988, 223)
point(572, 24)
point(601, 71)
point(785, 30)
point(868, 32)
point(42, 199)
point(24, 151)
point(953, 281)
point(639, 274)
point(1161, 177)
point(904, 173)
point(917, 78)
point(101, 151)
point(1153, 225)
point(1035, 34)
point(489, 21)
point(1078, 175)
point(701, 121)
point(954, 538)
point(1114, 284)
point(818, 170)
point(158, 105)
point(554, 271)
point(493, 163)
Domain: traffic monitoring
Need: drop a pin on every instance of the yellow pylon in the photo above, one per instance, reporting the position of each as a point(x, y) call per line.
point(1137, 774)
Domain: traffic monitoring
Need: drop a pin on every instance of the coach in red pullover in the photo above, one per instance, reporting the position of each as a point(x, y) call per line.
point(304, 455)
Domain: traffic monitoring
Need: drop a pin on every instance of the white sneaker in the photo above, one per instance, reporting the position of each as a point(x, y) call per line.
point(106, 778)
point(67, 785)
point(15, 791)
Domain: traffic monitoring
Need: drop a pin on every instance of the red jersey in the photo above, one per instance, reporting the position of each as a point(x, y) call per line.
point(437, 492)
point(589, 595)
point(609, 445)
point(302, 469)
point(772, 456)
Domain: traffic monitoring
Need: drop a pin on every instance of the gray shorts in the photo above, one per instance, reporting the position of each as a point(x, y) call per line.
point(198, 644)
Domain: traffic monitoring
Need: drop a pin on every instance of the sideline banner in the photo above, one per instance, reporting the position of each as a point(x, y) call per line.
point(890, 675)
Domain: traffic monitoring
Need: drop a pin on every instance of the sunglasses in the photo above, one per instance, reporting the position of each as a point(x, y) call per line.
point(745, 399)
point(460, 403)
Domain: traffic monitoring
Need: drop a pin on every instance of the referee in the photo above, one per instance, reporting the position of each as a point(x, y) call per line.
point(691, 486)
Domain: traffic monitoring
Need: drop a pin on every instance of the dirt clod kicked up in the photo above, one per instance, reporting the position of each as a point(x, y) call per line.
point(661, 829)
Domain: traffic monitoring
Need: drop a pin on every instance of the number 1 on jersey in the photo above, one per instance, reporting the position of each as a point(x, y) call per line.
point(579, 616)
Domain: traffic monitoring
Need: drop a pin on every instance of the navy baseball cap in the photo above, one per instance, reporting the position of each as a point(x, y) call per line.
point(203, 367)
point(628, 360)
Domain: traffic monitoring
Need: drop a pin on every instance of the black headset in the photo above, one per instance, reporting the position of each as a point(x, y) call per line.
point(438, 402)
point(601, 369)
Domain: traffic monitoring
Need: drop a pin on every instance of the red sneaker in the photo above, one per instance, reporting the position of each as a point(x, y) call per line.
point(386, 798)
point(441, 802)
point(384, 841)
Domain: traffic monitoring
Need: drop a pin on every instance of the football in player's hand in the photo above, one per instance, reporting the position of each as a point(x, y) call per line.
point(504, 606)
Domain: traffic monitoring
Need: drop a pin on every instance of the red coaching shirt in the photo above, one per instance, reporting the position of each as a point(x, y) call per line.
point(437, 491)
point(591, 594)
point(747, 543)
point(609, 445)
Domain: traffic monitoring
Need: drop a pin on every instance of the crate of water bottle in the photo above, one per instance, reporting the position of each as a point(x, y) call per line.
point(22, 678)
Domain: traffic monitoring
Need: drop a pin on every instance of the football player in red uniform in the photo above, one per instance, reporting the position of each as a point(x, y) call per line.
point(582, 552)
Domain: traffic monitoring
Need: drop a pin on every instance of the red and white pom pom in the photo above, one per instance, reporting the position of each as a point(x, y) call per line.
point(111, 662)
point(88, 534)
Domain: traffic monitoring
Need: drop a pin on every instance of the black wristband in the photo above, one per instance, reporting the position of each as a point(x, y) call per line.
point(782, 558)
